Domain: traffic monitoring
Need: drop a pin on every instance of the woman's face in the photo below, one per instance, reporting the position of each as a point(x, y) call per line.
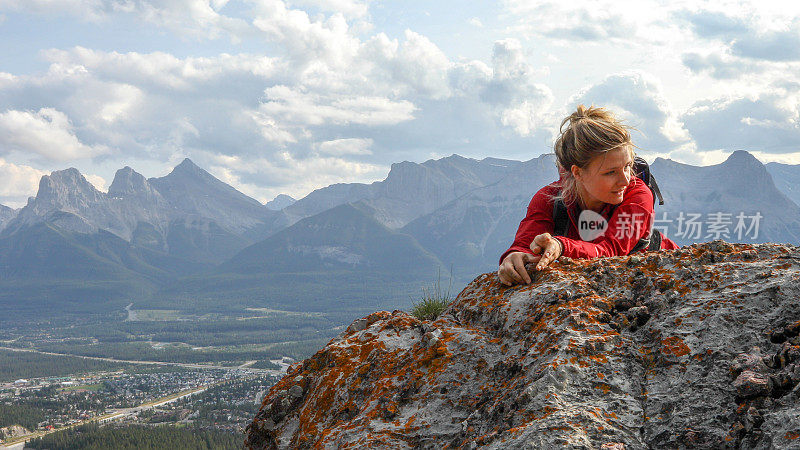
point(605, 178)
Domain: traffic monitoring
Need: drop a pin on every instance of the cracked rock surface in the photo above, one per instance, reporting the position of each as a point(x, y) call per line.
point(697, 347)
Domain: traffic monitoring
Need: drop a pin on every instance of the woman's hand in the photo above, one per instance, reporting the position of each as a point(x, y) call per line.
point(512, 270)
point(547, 249)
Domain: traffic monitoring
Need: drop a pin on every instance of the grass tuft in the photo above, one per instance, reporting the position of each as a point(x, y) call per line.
point(434, 301)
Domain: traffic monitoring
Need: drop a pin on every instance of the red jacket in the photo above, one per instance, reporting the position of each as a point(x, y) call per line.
point(619, 238)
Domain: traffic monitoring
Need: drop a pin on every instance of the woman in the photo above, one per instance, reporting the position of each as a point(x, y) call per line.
point(595, 161)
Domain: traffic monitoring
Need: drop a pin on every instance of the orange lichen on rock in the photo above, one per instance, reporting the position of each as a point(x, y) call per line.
point(674, 346)
point(582, 356)
point(603, 387)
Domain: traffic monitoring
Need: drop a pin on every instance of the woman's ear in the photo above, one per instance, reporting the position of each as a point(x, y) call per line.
point(576, 172)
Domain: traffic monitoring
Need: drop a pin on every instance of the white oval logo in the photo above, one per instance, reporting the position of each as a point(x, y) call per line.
point(591, 225)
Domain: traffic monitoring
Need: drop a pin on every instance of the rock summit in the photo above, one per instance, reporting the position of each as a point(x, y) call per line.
point(697, 347)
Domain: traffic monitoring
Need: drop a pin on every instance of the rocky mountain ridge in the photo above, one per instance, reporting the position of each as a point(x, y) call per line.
point(409, 191)
point(175, 214)
point(6, 214)
point(692, 348)
point(719, 194)
point(471, 231)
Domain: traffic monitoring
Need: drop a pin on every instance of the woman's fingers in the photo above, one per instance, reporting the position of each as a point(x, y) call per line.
point(512, 270)
point(547, 258)
point(539, 243)
point(519, 268)
point(549, 248)
point(507, 273)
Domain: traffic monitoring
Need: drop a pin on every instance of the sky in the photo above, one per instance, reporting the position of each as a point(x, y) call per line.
point(275, 96)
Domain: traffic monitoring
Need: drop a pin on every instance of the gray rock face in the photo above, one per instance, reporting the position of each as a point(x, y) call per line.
point(130, 184)
point(6, 214)
point(139, 203)
point(66, 199)
point(279, 202)
point(190, 190)
point(787, 179)
point(693, 348)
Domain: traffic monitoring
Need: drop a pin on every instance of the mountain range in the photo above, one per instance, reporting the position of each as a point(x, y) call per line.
point(188, 213)
point(741, 185)
point(188, 240)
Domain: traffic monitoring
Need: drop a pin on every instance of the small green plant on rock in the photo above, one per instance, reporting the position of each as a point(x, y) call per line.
point(434, 300)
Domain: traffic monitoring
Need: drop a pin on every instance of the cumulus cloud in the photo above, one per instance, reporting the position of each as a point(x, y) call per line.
point(714, 24)
point(198, 18)
point(349, 146)
point(159, 70)
point(47, 133)
point(415, 67)
point(19, 182)
point(305, 40)
point(350, 8)
point(297, 107)
point(509, 87)
point(149, 105)
point(720, 65)
point(421, 65)
point(766, 123)
point(89, 9)
point(291, 175)
point(745, 41)
point(599, 21)
point(783, 45)
point(513, 79)
point(637, 97)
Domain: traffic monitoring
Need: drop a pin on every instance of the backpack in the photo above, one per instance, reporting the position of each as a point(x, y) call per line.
point(642, 171)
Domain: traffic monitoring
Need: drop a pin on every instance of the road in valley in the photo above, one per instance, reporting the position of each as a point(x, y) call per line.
point(245, 366)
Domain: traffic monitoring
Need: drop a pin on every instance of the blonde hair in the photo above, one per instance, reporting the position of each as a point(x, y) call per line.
point(589, 132)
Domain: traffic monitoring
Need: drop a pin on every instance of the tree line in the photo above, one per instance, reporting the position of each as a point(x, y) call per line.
point(135, 437)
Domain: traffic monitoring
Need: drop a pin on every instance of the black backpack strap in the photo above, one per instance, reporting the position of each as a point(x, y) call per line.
point(654, 187)
point(642, 170)
point(642, 244)
point(650, 243)
point(560, 218)
point(655, 241)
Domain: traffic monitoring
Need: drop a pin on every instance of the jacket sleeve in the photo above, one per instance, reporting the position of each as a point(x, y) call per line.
point(538, 220)
point(630, 221)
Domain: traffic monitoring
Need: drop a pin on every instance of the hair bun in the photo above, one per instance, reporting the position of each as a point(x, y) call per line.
point(580, 113)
